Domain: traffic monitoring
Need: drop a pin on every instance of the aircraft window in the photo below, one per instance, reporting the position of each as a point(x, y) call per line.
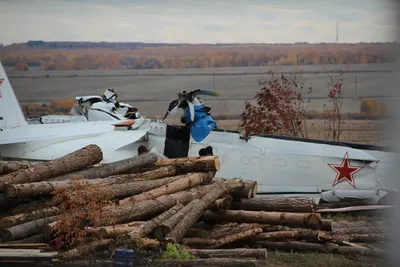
point(245, 160)
point(280, 162)
point(303, 164)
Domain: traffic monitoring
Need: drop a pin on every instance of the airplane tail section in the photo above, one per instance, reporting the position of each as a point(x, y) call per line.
point(11, 114)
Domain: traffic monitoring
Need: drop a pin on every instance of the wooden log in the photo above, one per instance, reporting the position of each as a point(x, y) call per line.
point(13, 220)
point(300, 220)
point(207, 162)
point(47, 187)
point(278, 204)
point(25, 229)
point(165, 227)
point(235, 237)
point(213, 262)
point(71, 162)
point(301, 234)
point(115, 230)
point(327, 225)
point(219, 189)
point(147, 228)
point(28, 245)
point(128, 213)
point(321, 248)
point(368, 238)
point(248, 191)
point(221, 204)
point(229, 253)
point(25, 254)
point(361, 227)
point(109, 169)
point(184, 182)
point(86, 249)
point(33, 205)
point(7, 167)
point(33, 239)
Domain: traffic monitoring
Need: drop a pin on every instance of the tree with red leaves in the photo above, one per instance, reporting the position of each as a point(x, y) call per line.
point(333, 115)
point(280, 108)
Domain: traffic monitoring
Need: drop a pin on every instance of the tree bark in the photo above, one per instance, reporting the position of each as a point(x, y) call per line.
point(86, 249)
point(300, 220)
point(186, 181)
point(248, 191)
point(165, 227)
point(115, 230)
point(10, 221)
point(74, 161)
point(176, 234)
point(214, 262)
point(303, 234)
point(278, 204)
point(147, 228)
point(208, 162)
point(33, 205)
point(25, 229)
point(7, 167)
point(259, 253)
point(46, 187)
point(33, 239)
point(235, 237)
point(222, 203)
point(361, 227)
point(322, 248)
point(109, 169)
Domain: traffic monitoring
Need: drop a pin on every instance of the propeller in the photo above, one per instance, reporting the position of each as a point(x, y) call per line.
point(185, 100)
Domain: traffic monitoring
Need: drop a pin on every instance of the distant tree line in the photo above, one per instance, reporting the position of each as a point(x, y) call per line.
point(104, 55)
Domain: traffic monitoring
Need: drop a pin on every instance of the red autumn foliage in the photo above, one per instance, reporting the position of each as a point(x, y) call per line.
point(332, 114)
point(280, 108)
point(81, 206)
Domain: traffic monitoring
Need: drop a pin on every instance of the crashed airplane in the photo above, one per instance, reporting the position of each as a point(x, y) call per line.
point(326, 171)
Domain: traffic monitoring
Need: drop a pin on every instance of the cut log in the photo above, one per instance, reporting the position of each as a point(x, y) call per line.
point(215, 262)
point(222, 203)
point(86, 249)
point(71, 162)
point(115, 230)
point(109, 169)
point(299, 220)
point(13, 220)
point(229, 253)
point(369, 238)
point(126, 190)
point(239, 236)
point(303, 234)
point(248, 191)
point(25, 230)
point(218, 189)
point(147, 228)
point(47, 187)
point(165, 227)
point(186, 181)
point(33, 239)
point(7, 167)
point(212, 162)
point(361, 227)
point(327, 225)
point(33, 205)
point(322, 248)
point(278, 204)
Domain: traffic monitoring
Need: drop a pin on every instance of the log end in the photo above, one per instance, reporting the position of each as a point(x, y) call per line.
point(6, 236)
point(217, 163)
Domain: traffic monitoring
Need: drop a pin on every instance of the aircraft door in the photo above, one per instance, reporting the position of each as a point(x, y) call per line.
point(177, 141)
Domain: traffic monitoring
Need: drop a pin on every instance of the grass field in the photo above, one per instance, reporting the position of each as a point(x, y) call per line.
point(152, 90)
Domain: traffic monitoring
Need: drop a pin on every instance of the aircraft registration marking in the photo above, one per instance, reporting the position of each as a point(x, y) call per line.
point(1, 82)
point(345, 171)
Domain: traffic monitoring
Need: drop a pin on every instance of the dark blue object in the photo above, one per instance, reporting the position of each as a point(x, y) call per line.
point(202, 124)
point(123, 257)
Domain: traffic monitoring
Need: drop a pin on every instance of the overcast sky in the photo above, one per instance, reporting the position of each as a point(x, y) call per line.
point(204, 21)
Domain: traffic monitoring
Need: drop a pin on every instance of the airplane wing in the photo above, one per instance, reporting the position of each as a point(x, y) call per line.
point(42, 132)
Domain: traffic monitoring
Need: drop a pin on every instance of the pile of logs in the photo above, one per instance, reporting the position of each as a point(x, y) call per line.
point(172, 201)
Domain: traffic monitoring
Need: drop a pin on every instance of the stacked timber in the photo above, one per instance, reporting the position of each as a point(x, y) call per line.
point(80, 207)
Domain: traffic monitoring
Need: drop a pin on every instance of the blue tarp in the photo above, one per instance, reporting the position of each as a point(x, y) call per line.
point(202, 124)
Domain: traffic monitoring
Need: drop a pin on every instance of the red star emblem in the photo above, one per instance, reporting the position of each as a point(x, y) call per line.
point(1, 82)
point(345, 171)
